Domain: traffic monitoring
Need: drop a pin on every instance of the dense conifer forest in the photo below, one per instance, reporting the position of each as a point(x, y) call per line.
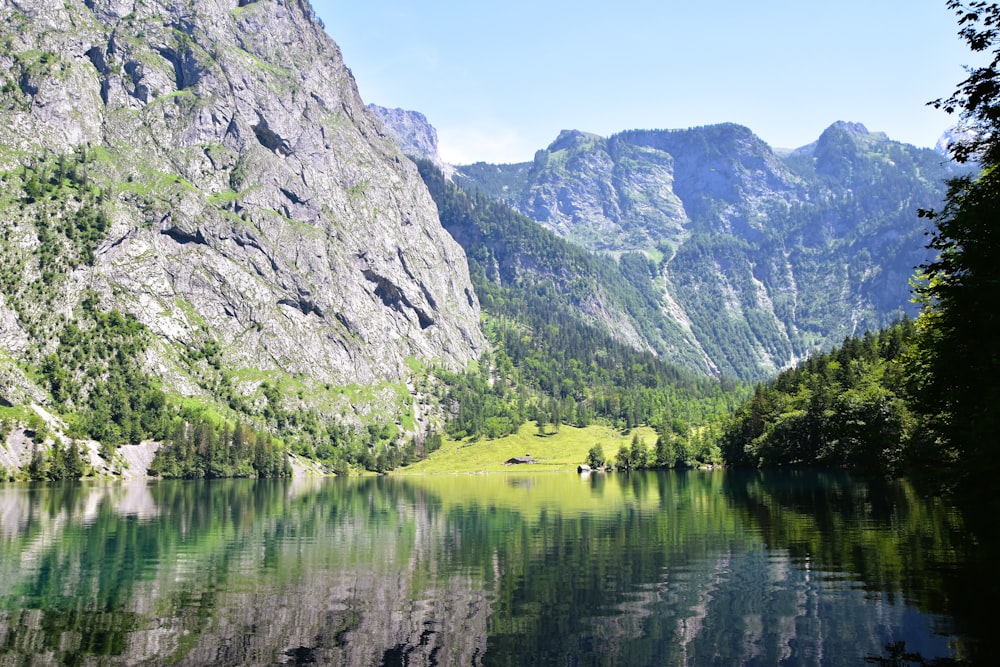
point(847, 408)
point(550, 364)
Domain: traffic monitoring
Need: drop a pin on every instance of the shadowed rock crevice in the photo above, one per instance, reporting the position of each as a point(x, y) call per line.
point(96, 56)
point(292, 197)
point(186, 74)
point(184, 236)
point(270, 139)
point(27, 86)
point(139, 91)
point(423, 288)
point(302, 304)
point(394, 298)
point(347, 324)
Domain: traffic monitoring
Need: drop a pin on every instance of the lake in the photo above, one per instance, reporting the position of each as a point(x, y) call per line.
point(657, 568)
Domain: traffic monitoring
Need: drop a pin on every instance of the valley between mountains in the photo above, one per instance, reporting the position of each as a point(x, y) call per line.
point(212, 246)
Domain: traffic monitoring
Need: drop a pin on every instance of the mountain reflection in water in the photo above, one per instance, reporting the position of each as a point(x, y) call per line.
point(655, 568)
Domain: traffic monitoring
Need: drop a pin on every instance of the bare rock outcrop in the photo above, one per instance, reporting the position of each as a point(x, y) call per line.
point(254, 200)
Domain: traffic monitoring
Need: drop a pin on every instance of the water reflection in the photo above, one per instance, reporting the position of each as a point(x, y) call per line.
point(661, 568)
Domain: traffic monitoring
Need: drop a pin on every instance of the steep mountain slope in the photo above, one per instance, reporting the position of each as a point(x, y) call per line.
point(208, 170)
point(515, 259)
point(566, 325)
point(767, 257)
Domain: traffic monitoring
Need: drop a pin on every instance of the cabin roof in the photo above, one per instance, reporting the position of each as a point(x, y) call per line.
point(518, 460)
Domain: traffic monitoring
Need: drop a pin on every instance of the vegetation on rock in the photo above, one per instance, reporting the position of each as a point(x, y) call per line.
point(553, 364)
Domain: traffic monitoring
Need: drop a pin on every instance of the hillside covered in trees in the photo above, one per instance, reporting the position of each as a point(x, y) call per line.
point(847, 408)
point(554, 360)
point(921, 397)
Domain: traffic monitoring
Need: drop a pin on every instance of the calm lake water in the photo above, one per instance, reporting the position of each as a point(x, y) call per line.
point(696, 568)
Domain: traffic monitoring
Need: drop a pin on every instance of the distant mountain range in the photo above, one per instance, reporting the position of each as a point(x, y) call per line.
point(201, 220)
point(758, 258)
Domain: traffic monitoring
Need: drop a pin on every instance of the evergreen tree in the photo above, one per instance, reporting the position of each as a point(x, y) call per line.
point(956, 370)
point(623, 459)
point(638, 454)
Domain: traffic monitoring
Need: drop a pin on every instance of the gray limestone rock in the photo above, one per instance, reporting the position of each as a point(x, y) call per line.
point(411, 131)
point(254, 199)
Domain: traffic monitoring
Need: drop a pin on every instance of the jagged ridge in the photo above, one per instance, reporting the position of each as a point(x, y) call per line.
point(764, 257)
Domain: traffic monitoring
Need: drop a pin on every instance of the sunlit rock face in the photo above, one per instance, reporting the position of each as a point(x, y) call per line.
point(766, 255)
point(253, 198)
point(411, 131)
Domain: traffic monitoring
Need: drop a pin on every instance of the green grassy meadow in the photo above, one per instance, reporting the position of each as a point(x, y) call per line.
point(560, 451)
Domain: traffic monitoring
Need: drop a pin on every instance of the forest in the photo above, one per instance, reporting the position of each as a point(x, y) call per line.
point(549, 363)
point(922, 397)
point(917, 398)
point(847, 408)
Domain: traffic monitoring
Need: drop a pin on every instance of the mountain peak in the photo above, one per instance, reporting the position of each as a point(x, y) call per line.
point(411, 131)
point(572, 139)
point(855, 129)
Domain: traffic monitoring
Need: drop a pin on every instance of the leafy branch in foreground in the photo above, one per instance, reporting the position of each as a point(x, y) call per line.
point(956, 370)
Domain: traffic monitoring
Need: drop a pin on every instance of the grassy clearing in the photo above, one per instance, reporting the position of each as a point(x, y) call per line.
point(561, 451)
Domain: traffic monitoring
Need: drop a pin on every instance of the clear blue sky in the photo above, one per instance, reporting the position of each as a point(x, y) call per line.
point(499, 80)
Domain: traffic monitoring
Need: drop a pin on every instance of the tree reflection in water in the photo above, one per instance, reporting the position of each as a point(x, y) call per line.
point(648, 568)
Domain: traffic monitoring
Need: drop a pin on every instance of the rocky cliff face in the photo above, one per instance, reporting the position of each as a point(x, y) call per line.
point(768, 257)
point(411, 132)
point(252, 204)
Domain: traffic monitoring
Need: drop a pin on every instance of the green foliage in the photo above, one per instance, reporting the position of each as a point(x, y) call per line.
point(378, 447)
point(95, 374)
point(639, 454)
point(56, 462)
point(848, 408)
point(956, 366)
point(70, 219)
point(623, 459)
point(550, 364)
point(977, 99)
point(955, 369)
point(60, 220)
point(595, 457)
point(483, 408)
point(634, 456)
point(59, 463)
point(198, 447)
